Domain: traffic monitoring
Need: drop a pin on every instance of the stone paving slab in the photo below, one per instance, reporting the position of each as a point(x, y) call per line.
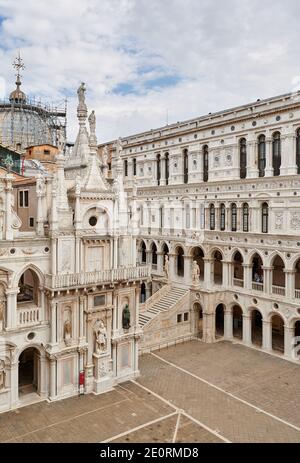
point(269, 382)
point(234, 420)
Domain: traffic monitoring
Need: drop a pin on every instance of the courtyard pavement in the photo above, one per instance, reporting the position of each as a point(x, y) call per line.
point(193, 392)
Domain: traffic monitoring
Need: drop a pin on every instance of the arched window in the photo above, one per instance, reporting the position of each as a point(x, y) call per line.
point(167, 167)
point(243, 158)
point(185, 166)
point(261, 155)
point(144, 254)
point(126, 168)
point(265, 218)
point(245, 217)
point(154, 254)
point(276, 155)
point(161, 216)
point(212, 217)
point(298, 150)
point(205, 163)
point(222, 217)
point(180, 262)
point(134, 166)
point(158, 173)
point(233, 217)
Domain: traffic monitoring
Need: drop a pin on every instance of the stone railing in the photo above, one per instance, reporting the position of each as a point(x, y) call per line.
point(154, 298)
point(97, 277)
point(280, 290)
point(28, 315)
point(238, 282)
point(297, 293)
point(257, 286)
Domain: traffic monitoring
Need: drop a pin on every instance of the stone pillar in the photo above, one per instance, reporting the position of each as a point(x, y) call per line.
point(41, 304)
point(188, 269)
point(289, 346)
point(77, 254)
point(148, 291)
point(53, 319)
point(208, 264)
point(39, 215)
point(8, 207)
point(81, 317)
point(288, 158)
point(115, 314)
point(268, 279)
point(269, 171)
point(247, 330)
point(42, 372)
point(160, 262)
point(208, 327)
point(227, 218)
point(289, 283)
point(267, 335)
point(11, 308)
point(53, 255)
point(226, 273)
point(137, 307)
point(172, 271)
point(252, 170)
point(247, 276)
point(53, 364)
point(228, 324)
point(217, 217)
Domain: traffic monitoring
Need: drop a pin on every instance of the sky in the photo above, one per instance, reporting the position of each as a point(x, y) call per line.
point(147, 63)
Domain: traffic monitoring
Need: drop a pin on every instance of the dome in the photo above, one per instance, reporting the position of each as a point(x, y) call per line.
point(17, 96)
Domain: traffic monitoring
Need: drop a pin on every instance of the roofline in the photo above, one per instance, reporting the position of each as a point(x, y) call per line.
point(209, 116)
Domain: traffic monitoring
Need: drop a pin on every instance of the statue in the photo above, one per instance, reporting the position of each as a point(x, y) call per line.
point(166, 266)
point(196, 272)
point(2, 304)
point(80, 93)
point(119, 147)
point(67, 330)
point(101, 337)
point(40, 185)
point(2, 374)
point(126, 318)
point(92, 122)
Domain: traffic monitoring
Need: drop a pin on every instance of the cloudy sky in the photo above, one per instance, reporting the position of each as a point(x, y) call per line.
point(142, 59)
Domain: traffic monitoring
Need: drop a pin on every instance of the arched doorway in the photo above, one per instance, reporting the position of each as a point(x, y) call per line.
point(256, 328)
point(199, 319)
point(277, 333)
point(278, 276)
point(154, 255)
point(238, 270)
point(143, 293)
point(218, 268)
point(28, 287)
point(180, 262)
point(198, 256)
point(28, 371)
point(257, 273)
point(220, 320)
point(237, 322)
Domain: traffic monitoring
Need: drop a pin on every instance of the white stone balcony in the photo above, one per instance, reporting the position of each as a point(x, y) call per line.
point(28, 314)
point(297, 293)
point(257, 286)
point(279, 290)
point(97, 277)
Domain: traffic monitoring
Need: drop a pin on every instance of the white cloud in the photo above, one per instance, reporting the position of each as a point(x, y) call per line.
point(225, 53)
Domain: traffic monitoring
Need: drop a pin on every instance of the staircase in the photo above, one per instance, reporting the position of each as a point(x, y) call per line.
point(166, 302)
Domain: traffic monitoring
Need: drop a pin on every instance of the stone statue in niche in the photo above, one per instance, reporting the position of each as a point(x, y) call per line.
point(196, 272)
point(126, 318)
point(101, 337)
point(67, 331)
point(167, 266)
point(105, 156)
point(2, 374)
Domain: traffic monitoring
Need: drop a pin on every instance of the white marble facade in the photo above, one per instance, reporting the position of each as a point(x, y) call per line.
point(69, 289)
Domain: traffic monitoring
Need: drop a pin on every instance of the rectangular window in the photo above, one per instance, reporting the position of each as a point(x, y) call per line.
point(31, 222)
point(179, 318)
point(186, 316)
point(23, 198)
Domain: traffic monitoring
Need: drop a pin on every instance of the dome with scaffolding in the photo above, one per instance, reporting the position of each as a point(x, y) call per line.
point(27, 122)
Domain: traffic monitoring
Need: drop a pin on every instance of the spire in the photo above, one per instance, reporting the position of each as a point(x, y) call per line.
point(81, 148)
point(17, 95)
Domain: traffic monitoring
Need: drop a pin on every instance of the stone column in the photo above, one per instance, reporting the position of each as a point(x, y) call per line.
point(247, 276)
point(269, 171)
point(172, 271)
point(148, 291)
point(39, 215)
point(289, 283)
point(137, 307)
point(247, 329)
point(226, 273)
point(208, 327)
point(77, 254)
point(289, 346)
point(267, 335)
point(42, 304)
point(81, 317)
point(53, 255)
point(8, 206)
point(228, 324)
point(11, 308)
point(160, 262)
point(217, 217)
point(208, 264)
point(188, 269)
point(115, 314)
point(116, 260)
point(227, 217)
point(53, 362)
point(268, 279)
point(53, 319)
